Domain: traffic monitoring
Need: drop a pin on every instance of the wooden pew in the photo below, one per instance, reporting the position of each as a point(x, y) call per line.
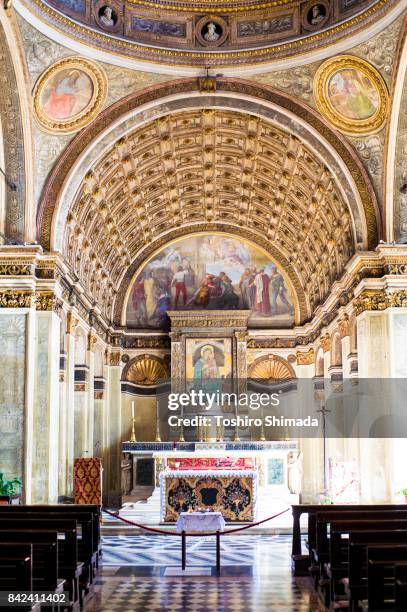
point(66, 530)
point(359, 541)
point(300, 561)
point(44, 557)
point(325, 573)
point(87, 550)
point(75, 509)
point(320, 553)
point(16, 567)
point(400, 590)
point(381, 562)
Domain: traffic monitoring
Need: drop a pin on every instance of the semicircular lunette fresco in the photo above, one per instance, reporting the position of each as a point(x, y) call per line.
point(214, 272)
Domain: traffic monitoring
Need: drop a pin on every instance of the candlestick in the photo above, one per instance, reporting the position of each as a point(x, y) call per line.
point(133, 430)
point(132, 410)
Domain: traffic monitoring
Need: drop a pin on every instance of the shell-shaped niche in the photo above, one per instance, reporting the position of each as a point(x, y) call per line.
point(271, 367)
point(147, 370)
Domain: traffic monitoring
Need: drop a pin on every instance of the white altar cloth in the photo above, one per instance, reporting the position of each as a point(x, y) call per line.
point(200, 521)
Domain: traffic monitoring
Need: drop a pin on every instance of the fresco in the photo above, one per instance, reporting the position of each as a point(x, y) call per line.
point(67, 94)
point(208, 362)
point(210, 272)
point(353, 95)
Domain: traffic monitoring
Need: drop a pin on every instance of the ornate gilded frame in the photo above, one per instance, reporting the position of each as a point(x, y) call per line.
point(99, 83)
point(321, 95)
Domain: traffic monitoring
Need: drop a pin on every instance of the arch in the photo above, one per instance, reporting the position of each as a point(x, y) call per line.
point(65, 176)
point(15, 107)
point(395, 172)
point(343, 180)
point(271, 367)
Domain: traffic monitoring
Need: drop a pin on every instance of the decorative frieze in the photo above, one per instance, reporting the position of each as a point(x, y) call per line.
point(380, 300)
point(15, 269)
point(16, 299)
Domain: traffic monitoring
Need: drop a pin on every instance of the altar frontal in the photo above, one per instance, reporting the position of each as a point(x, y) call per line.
point(233, 493)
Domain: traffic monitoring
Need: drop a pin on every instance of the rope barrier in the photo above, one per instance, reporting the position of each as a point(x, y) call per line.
point(198, 534)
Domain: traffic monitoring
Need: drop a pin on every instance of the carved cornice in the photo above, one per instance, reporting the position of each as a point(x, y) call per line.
point(307, 358)
point(143, 342)
point(212, 319)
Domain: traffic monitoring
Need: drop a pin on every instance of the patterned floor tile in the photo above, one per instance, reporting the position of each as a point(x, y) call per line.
point(143, 573)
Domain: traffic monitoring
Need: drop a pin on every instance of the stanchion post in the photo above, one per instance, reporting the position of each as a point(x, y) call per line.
point(218, 551)
point(184, 550)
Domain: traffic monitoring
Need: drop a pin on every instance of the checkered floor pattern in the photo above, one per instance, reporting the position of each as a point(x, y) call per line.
point(194, 595)
point(143, 573)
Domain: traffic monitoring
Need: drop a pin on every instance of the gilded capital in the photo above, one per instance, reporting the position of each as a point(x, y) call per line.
point(92, 339)
point(71, 323)
point(306, 358)
point(326, 343)
point(344, 326)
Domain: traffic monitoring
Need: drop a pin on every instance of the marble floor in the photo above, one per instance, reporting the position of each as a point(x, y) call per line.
point(143, 573)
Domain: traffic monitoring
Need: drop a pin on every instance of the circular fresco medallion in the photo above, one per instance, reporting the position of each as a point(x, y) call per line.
point(316, 14)
point(108, 15)
point(351, 94)
point(69, 94)
point(211, 31)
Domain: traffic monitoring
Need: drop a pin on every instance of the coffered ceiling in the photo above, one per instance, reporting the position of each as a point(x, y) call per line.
point(210, 170)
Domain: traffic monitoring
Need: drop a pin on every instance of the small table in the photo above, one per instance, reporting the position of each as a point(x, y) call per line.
point(200, 522)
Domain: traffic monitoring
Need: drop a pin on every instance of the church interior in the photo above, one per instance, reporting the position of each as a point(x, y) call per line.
point(203, 204)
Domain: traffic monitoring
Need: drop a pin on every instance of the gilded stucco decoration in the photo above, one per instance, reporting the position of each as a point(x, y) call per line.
point(13, 144)
point(69, 94)
point(257, 32)
point(146, 370)
point(41, 52)
point(207, 170)
point(271, 367)
point(351, 94)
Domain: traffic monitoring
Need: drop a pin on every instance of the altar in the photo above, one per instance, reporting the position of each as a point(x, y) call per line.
point(245, 481)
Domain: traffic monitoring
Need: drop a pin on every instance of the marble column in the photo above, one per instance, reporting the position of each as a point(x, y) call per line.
point(70, 400)
point(114, 410)
point(311, 448)
point(374, 362)
point(14, 397)
point(62, 464)
point(46, 409)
